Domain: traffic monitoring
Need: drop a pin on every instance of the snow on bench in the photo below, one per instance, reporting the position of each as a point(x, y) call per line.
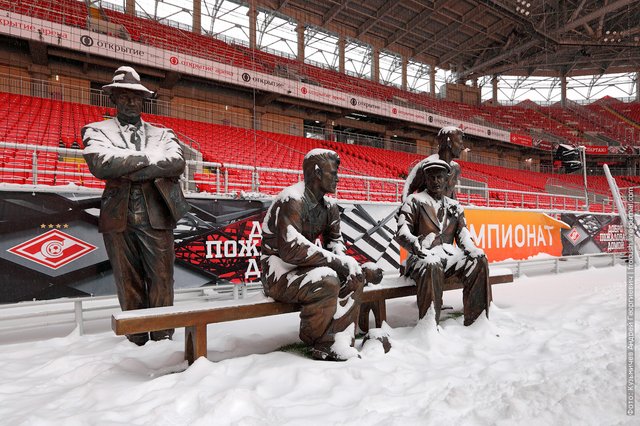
point(194, 318)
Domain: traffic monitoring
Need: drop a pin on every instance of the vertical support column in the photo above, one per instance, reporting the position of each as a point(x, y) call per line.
point(328, 130)
point(638, 86)
point(375, 64)
point(130, 7)
point(253, 23)
point(404, 72)
point(197, 16)
point(432, 80)
point(563, 89)
point(342, 43)
point(494, 89)
point(300, 32)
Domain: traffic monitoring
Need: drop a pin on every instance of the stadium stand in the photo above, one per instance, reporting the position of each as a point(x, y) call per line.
point(53, 123)
point(620, 127)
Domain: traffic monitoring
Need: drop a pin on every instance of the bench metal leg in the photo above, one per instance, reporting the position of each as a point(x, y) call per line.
point(195, 342)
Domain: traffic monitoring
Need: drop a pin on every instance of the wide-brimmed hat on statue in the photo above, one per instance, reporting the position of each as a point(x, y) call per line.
point(126, 78)
point(433, 162)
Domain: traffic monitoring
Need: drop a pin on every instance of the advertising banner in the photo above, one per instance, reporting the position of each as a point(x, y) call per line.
point(588, 234)
point(50, 246)
point(518, 139)
point(470, 128)
point(506, 234)
point(597, 150)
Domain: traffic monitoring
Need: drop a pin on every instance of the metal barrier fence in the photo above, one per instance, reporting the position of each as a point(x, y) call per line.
point(69, 314)
point(230, 179)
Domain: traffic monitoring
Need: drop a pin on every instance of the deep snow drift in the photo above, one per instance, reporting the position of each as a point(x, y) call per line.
point(552, 353)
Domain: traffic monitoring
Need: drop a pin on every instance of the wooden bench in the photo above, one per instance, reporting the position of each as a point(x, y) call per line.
point(194, 318)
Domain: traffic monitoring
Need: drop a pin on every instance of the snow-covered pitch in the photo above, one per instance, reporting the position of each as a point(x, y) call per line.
point(553, 353)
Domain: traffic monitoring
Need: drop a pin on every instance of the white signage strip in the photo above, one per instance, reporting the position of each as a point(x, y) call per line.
point(26, 27)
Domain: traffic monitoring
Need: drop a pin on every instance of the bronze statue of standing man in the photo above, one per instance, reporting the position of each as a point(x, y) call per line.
point(450, 146)
point(142, 199)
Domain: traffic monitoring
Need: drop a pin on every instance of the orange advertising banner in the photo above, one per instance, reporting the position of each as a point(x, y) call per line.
point(518, 235)
point(504, 234)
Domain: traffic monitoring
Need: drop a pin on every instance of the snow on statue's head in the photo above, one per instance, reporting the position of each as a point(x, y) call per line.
point(126, 78)
point(313, 161)
point(415, 181)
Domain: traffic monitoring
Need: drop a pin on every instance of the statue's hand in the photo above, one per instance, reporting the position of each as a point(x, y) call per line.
point(354, 282)
point(474, 252)
point(346, 266)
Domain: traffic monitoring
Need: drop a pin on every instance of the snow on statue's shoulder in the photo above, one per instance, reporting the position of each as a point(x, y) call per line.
point(330, 200)
point(293, 192)
point(318, 151)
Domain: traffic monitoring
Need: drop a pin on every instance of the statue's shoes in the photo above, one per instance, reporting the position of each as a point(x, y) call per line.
point(139, 338)
point(381, 337)
point(324, 354)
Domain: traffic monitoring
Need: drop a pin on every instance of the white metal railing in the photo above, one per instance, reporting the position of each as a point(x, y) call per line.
point(73, 311)
point(220, 181)
point(566, 263)
point(18, 318)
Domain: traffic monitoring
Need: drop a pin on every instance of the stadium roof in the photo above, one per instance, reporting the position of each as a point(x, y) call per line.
point(484, 37)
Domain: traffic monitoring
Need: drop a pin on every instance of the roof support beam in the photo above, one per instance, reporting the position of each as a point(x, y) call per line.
point(416, 20)
point(601, 12)
point(380, 13)
point(333, 12)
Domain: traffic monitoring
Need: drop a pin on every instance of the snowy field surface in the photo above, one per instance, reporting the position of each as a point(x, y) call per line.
point(553, 353)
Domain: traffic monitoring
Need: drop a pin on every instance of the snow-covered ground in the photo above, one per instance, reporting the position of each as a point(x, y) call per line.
point(553, 353)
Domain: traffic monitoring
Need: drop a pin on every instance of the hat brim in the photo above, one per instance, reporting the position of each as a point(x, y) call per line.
point(127, 86)
point(436, 165)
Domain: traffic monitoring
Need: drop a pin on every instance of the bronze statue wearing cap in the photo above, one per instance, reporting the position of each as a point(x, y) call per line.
point(428, 225)
point(142, 199)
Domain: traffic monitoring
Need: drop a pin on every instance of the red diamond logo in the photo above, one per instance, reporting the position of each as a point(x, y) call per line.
point(574, 235)
point(52, 249)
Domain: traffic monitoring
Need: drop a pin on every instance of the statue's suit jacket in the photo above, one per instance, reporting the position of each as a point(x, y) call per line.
point(417, 221)
point(156, 168)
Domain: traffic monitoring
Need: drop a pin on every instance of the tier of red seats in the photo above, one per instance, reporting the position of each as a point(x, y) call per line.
point(67, 12)
point(559, 122)
point(44, 122)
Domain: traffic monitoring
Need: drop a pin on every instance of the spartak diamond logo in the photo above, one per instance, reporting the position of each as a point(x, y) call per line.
point(574, 235)
point(52, 249)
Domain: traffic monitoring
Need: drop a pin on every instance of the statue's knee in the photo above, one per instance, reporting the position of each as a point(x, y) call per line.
point(326, 286)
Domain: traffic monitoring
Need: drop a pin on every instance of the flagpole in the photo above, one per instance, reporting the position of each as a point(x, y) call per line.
point(583, 152)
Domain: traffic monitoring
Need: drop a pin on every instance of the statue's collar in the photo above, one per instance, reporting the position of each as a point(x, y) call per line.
point(311, 199)
point(125, 121)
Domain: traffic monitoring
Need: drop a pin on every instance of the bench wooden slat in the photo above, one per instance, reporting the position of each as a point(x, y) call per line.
point(195, 319)
point(383, 293)
point(211, 315)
